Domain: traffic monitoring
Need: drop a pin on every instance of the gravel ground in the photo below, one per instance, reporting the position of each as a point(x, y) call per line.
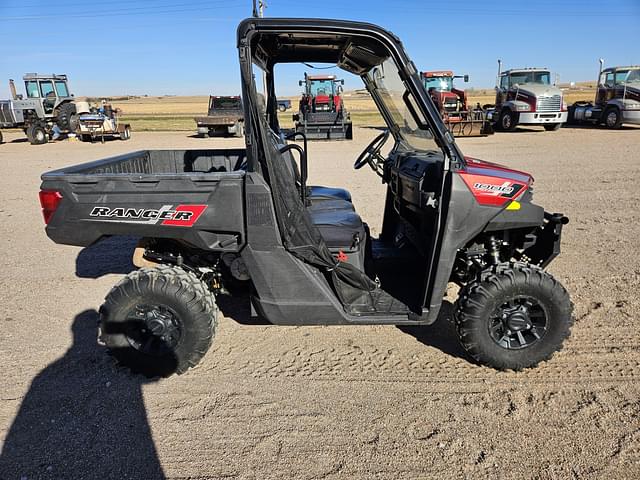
point(326, 402)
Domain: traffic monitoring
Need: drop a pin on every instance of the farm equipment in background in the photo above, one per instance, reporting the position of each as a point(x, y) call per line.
point(617, 99)
point(452, 104)
point(48, 104)
point(527, 96)
point(100, 122)
point(322, 115)
point(225, 116)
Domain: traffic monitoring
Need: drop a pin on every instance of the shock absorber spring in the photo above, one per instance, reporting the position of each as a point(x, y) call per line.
point(493, 250)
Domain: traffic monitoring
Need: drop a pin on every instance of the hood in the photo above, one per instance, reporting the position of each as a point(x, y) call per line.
point(493, 184)
point(540, 90)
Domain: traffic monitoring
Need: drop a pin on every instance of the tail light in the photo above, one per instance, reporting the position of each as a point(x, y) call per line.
point(49, 200)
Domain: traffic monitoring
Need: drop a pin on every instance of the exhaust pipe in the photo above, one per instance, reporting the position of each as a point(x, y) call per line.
point(499, 72)
point(12, 88)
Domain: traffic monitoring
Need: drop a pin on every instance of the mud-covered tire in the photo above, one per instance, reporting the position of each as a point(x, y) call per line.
point(552, 127)
point(127, 316)
point(478, 302)
point(64, 116)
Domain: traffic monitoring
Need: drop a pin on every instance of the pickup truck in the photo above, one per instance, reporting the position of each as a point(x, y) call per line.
point(284, 104)
point(225, 116)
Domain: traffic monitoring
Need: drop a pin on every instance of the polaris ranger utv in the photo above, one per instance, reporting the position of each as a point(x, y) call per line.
point(210, 220)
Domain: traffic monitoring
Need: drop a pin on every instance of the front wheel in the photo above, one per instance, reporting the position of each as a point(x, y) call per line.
point(37, 135)
point(507, 121)
point(552, 127)
point(159, 321)
point(613, 118)
point(514, 317)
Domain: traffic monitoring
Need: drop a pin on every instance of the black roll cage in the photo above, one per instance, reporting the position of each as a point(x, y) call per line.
point(249, 54)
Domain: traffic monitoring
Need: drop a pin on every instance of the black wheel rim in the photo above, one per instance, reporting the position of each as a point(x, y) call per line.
point(154, 330)
point(518, 323)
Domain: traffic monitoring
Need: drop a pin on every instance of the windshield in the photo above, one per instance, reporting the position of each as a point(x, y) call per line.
point(629, 77)
point(543, 78)
point(396, 99)
point(61, 88)
point(321, 87)
point(226, 103)
point(441, 84)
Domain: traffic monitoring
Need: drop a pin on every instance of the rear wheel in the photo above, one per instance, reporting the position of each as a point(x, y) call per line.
point(552, 127)
point(612, 118)
point(514, 317)
point(159, 321)
point(507, 121)
point(37, 135)
point(64, 116)
point(282, 108)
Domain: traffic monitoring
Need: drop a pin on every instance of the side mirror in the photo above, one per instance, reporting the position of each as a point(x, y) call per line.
point(300, 82)
point(342, 82)
point(466, 78)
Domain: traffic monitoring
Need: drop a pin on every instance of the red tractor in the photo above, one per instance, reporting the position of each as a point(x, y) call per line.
point(452, 104)
point(322, 114)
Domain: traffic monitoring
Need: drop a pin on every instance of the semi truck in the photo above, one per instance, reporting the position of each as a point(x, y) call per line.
point(617, 99)
point(527, 96)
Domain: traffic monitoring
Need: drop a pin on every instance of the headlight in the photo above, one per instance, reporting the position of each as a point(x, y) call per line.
point(523, 107)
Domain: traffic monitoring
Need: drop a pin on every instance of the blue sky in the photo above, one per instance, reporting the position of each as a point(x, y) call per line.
point(187, 47)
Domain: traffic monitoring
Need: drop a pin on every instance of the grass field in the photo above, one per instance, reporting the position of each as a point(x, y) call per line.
point(176, 113)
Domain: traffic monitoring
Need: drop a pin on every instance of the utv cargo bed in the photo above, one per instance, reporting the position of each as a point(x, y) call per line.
point(150, 193)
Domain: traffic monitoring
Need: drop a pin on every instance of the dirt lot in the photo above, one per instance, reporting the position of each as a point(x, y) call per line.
point(327, 402)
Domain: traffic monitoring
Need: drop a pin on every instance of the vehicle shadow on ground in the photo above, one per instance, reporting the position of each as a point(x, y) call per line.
point(82, 417)
point(441, 334)
point(109, 255)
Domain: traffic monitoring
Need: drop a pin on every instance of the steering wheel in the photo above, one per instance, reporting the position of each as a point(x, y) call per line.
point(371, 154)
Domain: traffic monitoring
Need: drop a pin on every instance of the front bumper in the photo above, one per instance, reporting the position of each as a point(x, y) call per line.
point(545, 240)
point(540, 118)
point(631, 116)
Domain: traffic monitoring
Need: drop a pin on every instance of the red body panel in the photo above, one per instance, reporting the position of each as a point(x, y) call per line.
point(492, 184)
